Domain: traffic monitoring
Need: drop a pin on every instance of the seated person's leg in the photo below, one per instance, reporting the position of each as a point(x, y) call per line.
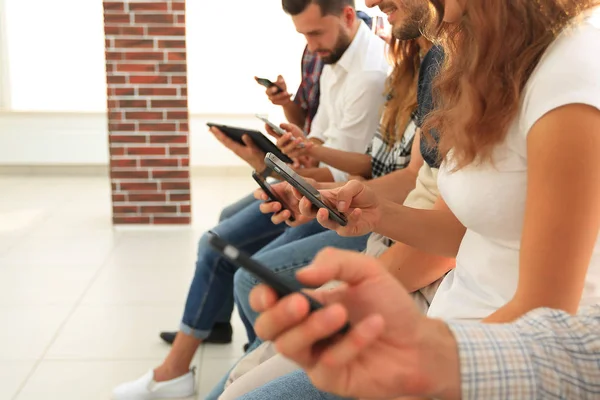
point(211, 286)
point(260, 375)
point(292, 386)
point(236, 207)
point(287, 259)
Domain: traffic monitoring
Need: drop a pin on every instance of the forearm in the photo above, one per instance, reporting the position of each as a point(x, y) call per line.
point(318, 174)
point(395, 186)
point(437, 232)
point(294, 114)
point(350, 162)
point(547, 354)
point(413, 268)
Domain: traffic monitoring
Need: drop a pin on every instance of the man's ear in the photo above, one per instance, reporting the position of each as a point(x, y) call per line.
point(349, 16)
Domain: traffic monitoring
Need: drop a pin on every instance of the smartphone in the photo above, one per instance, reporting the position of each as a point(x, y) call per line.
point(264, 185)
point(304, 187)
point(378, 25)
point(267, 83)
point(280, 286)
point(280, 132)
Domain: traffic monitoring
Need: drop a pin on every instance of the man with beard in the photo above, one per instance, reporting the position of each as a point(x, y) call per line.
point(275, 377)
point(352, 93)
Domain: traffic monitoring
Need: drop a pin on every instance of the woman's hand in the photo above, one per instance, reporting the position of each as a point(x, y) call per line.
point(355, 200)
point(294, 144)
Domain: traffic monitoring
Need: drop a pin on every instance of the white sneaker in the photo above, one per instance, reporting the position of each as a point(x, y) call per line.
point(146, 388)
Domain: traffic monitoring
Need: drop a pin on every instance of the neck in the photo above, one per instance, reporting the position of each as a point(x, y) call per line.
point(424, 44)
point(355, 28)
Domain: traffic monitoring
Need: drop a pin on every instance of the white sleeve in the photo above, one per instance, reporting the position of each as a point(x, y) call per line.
point(569, 73)
point(363, 104)
point(319, 125)
point(320, 122)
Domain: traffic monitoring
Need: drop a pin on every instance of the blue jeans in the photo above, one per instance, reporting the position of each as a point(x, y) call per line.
point(210, 297)
point(284, 257)
point(293, 386)
point(285, 260)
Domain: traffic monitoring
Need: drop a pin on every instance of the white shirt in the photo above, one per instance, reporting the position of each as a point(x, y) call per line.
point(490, 201)
point(352, 96)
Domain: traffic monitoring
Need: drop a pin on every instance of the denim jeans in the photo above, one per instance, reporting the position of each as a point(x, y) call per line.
point(210, 297)
point(285, 260)
point(293, 386)
point(294, 249)
point(224, 314)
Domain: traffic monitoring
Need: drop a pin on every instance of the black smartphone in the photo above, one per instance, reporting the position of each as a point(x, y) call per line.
point(307, 190)
point(280, 286)
point(264, 185)
point(267, 83)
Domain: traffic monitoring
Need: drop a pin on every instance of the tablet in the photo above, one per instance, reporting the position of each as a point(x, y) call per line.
point(260, 140)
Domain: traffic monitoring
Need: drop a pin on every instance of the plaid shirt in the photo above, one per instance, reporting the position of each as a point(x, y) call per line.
point(387, 159)
point(308, 93)
point(545, 355)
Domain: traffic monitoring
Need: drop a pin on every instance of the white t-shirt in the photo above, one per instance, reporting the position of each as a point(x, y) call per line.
point(352, 97)
point(490, 201)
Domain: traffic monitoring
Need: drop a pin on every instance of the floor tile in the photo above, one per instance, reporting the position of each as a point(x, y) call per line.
point(27, 331)
point(60, 251)
point(211, 372)
point(115, 333)
point(36, 285)
point(142, 285)
point(79, 380)
point(12, 376)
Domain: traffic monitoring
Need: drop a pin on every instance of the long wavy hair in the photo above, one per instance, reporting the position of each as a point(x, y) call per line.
point(402, 87)
point(489, 57)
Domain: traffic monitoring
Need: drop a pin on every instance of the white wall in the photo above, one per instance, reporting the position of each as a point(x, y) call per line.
point(52, 82)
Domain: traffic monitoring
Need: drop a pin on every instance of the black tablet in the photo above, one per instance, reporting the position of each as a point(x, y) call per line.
point(260, 140)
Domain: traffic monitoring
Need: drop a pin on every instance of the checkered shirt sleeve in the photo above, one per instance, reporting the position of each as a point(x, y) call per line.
point(547, 354)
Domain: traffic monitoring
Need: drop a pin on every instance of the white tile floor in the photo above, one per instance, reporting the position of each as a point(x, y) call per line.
point(81, 304)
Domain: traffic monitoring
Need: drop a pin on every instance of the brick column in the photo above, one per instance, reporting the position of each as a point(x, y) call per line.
point(146, 75)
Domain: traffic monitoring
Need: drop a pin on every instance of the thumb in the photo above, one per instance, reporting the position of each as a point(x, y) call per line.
point(280, 79)
point(248, 141)
point(347, 193)
point(340, 265)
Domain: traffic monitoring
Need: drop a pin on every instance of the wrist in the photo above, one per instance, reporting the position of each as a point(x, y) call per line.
point(287, 103)
point(259, 166)
point(441, 362)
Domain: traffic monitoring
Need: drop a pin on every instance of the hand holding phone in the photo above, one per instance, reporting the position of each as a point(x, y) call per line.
point(280, 286)
point(264, 185)
point(355, 200)
point(279, 132)
point(276, 91)
point(307, 190)
point(268, 84)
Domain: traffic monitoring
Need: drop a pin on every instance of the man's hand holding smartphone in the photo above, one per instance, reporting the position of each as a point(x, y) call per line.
point(278, 94)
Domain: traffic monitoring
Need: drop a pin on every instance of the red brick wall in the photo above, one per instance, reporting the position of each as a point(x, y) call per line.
point(146, 75)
